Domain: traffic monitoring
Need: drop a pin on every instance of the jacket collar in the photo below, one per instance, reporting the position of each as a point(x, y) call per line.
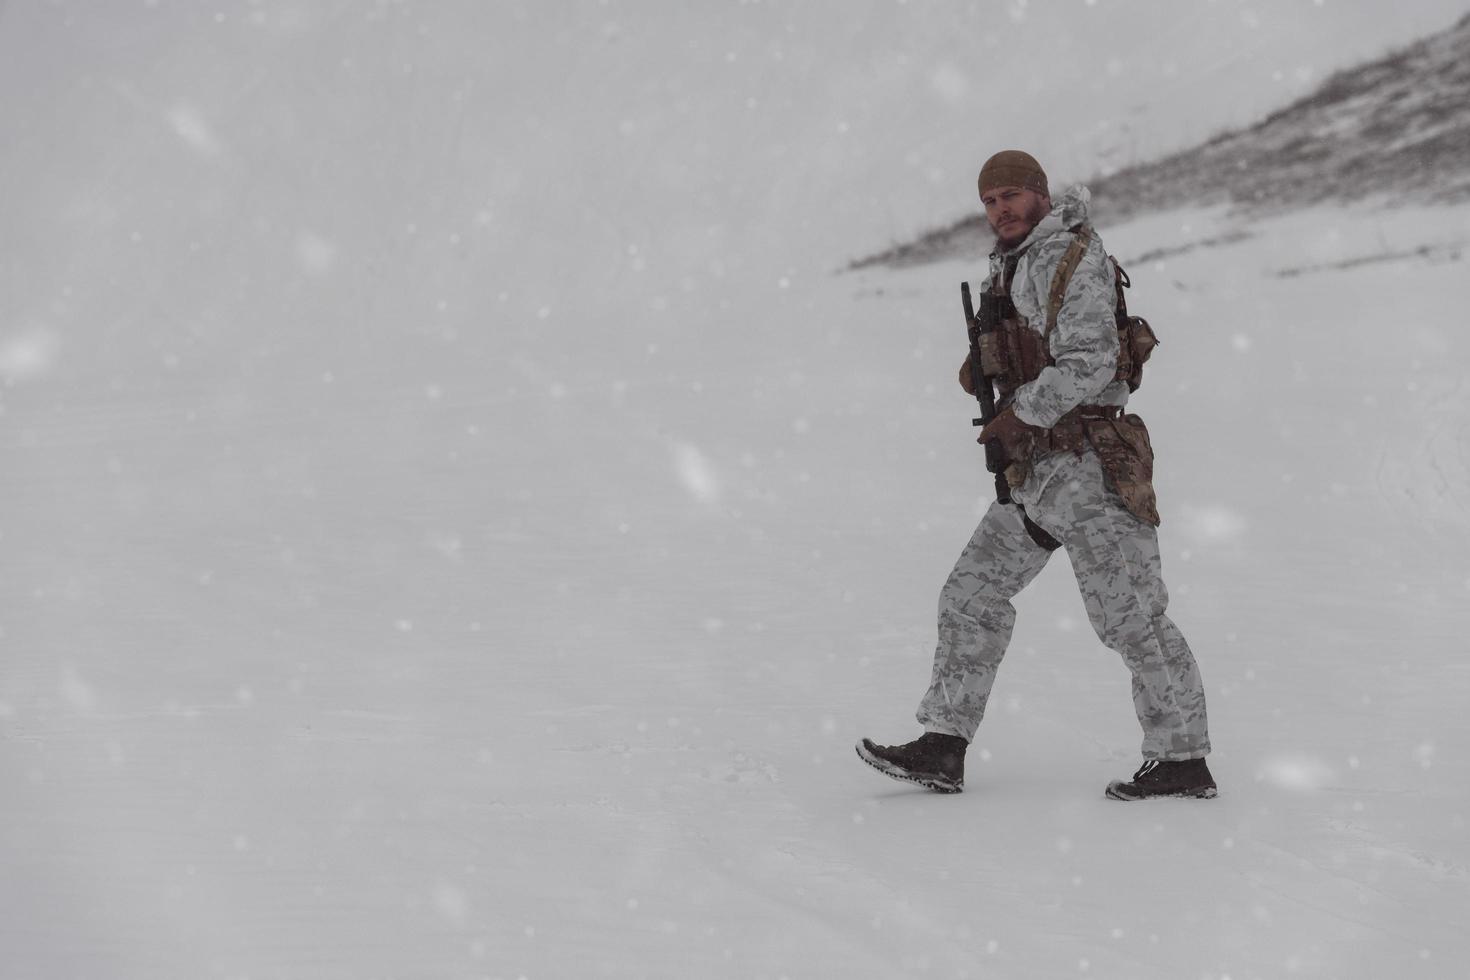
point(1068, 210)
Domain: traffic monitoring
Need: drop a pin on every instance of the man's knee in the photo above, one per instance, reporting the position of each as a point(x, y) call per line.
point(1121, 622)
point(956, 599)
point(972, 605)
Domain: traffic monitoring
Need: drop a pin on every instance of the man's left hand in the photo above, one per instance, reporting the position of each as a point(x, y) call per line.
point(1014, 435)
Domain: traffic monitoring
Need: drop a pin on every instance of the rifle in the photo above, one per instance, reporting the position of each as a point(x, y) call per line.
point(987, 322)
point(996, 459)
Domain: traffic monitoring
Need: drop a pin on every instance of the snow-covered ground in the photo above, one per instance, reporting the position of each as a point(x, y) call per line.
point(456, 523)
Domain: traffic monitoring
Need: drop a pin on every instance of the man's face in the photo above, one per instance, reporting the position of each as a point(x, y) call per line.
point(1013, 212)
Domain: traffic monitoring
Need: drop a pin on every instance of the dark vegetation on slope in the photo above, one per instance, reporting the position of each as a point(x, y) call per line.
point(1399, 125)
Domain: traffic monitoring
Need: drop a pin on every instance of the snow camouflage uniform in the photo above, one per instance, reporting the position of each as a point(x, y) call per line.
point(1114, 554)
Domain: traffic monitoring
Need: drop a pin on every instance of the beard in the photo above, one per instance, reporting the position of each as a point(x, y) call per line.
point(1031, 217)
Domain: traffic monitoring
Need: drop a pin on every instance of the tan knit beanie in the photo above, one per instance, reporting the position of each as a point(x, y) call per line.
point(1013, 168)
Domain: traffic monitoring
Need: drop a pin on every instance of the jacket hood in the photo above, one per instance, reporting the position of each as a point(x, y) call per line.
point(1067, 211)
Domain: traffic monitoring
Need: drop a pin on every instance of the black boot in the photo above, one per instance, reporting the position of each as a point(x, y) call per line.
point(932, 760)
point(1189, 779)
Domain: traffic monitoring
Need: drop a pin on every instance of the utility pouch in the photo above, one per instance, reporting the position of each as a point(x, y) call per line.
point(1030, 352)
point(1136, 342)
point(993, 362)
point(1127, 458)
point(1136, 339)
point(1020, 351)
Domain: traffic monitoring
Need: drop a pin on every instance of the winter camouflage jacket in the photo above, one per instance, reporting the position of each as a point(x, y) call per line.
point(1084, 344)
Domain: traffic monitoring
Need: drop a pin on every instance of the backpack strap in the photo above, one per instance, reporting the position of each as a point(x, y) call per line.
point(1081, 238)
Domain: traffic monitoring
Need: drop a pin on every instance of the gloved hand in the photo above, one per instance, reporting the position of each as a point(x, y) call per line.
point(967, 379)
point(1015, 436)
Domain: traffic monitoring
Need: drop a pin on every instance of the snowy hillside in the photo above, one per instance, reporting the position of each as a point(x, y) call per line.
point(1396, 128)
point(456, 523)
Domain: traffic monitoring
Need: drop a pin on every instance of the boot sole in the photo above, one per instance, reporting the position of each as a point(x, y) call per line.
point(1116, 791)
point(934, 781)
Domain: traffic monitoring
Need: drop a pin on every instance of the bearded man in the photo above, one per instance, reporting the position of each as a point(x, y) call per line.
point(1080, 478)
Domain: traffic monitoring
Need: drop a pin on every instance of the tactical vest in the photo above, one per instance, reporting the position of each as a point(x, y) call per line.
point(1016, 354)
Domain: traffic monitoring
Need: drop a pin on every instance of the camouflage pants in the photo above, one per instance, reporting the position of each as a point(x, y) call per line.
point(1116, 560)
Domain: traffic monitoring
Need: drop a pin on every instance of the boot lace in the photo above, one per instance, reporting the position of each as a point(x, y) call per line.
point(1145, 769)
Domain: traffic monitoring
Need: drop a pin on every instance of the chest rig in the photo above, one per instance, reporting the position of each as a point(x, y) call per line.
point(1016, 354)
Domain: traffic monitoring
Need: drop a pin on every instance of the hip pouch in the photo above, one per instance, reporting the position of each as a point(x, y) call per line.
point(1127, 458)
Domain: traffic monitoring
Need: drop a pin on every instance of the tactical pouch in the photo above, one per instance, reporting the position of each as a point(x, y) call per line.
point(1127, 458)
point(993, 362)
point(1136, 341)
point(1016, 352)
point(1030, 352)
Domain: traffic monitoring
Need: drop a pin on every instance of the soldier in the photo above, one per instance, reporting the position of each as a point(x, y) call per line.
point(1081, 478)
